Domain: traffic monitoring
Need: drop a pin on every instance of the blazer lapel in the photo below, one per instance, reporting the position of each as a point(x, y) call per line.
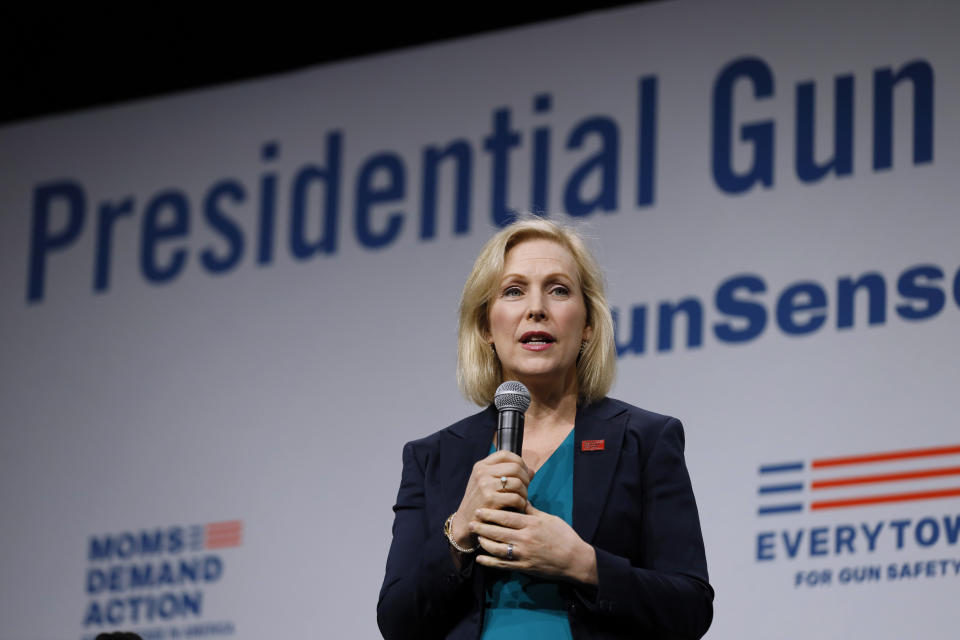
point(462, 445)
point(594, 463)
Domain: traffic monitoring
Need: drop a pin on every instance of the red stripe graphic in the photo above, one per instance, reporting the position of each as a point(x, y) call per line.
point(884, 457)
point(885, 499)
point(885, 477)
point(218, 535)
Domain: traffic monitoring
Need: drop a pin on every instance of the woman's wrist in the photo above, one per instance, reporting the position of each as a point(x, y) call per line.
point(584, 564)
point(459, 535)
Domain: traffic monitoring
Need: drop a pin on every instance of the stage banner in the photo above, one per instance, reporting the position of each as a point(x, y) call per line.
point(225, 311)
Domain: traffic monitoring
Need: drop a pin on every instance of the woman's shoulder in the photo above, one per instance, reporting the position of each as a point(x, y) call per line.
point(613, 407)
point(473, 426)
point(641, 422)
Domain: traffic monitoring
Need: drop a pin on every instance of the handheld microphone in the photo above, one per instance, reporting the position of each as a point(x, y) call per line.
point(512, 400)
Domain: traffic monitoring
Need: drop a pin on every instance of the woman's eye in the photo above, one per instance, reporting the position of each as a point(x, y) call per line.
point(560, 291)
point(511, 291)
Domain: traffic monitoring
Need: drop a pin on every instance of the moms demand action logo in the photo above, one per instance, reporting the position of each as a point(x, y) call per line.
point(844, 489)
point(157, 576)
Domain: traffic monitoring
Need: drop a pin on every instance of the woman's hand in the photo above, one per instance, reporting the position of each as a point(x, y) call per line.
point(542, 544)
point(499, 481)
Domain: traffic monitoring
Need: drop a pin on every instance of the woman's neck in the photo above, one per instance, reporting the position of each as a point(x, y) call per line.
point(547, 422)
point(552, 408)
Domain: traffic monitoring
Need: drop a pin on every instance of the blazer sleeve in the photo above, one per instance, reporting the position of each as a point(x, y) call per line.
point(423, 594)
point(663, 589)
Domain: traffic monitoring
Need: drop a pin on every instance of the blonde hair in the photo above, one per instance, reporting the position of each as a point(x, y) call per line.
point(478, 368)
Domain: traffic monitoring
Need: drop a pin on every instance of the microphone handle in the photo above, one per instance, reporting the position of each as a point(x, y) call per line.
point(510, 431)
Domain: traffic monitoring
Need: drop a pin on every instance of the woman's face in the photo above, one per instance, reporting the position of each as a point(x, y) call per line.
point(538, 317)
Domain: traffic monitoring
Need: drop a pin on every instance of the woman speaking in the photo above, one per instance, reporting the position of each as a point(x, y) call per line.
point(593, 532)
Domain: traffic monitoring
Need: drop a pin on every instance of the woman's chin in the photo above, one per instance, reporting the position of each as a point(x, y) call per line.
point(540, 375)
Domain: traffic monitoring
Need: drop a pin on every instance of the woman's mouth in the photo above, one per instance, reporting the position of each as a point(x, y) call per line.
point(536, 340)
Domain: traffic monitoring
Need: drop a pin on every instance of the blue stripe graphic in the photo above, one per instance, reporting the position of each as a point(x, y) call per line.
point(777, 468)
point(779, 508)
point(780, 488)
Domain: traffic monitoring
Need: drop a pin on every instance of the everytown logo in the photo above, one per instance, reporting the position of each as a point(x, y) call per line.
point(791, 494)
point(157, 576)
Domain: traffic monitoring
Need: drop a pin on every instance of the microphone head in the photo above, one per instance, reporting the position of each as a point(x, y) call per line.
point(512, 396)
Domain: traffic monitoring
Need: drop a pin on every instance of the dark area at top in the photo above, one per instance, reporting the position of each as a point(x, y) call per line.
point(60, 59)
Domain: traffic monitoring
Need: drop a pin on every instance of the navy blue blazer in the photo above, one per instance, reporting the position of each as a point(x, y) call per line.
point(632, 501)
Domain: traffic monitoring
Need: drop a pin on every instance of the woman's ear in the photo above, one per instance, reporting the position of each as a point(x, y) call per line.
point(587, 334)
point(486, 333)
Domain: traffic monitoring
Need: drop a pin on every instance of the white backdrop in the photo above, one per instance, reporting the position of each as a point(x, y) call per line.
point(275, 395)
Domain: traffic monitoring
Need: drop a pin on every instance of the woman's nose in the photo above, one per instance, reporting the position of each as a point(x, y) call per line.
point(536, 310)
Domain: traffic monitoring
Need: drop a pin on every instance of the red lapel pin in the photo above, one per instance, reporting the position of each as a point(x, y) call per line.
point(591, 445)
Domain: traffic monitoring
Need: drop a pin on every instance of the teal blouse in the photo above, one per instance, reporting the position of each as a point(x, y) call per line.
point(521, 606)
